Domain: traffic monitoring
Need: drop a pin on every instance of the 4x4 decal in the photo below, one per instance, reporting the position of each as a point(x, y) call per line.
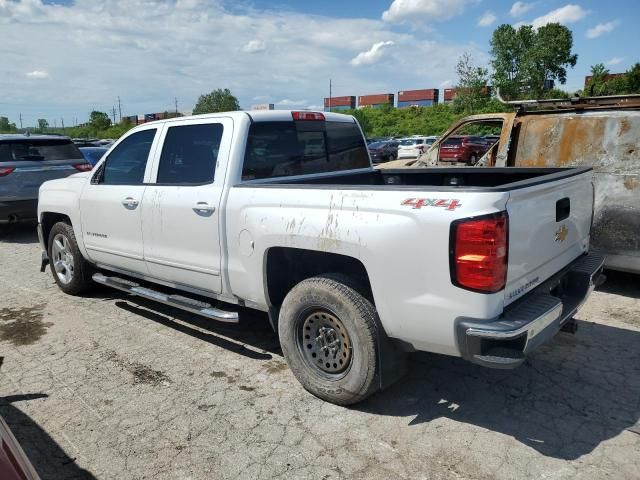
point(446, 203)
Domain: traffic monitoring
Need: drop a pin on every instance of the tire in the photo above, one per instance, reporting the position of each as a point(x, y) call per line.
point(344, 376)
point(70, 270)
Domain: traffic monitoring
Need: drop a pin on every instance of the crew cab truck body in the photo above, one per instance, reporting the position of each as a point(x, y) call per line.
point(355, 266)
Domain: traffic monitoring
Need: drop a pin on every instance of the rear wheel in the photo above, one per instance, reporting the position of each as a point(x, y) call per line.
point(329, 336)
point(70, 270)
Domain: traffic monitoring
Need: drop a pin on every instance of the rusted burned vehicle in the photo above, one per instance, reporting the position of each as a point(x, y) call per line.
point(600, 132)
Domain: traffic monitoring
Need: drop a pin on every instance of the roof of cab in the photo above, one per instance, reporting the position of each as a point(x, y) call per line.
point(258, 116)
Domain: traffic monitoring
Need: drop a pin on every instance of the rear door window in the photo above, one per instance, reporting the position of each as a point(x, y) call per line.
point(281, 149)
point(39, 150)
point(189, 154)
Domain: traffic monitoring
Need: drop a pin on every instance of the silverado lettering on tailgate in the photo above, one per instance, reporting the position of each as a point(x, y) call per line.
point(446, 203)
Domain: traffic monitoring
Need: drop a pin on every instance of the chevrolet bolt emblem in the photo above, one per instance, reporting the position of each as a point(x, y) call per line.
point(562, 233)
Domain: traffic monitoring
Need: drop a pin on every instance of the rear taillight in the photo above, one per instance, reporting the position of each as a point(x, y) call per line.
point(479, 253)
point(4, 171)
point(308, 116)
point(83, 167)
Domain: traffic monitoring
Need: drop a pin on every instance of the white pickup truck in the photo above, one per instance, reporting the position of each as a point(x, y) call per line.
point(282, 212)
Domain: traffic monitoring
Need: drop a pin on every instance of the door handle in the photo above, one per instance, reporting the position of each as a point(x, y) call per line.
point(204, 207)
point(130, 202)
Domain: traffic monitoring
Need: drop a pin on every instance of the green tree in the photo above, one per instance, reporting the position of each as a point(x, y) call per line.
point(42, 124)
point(471, 89)
point(633, 79)
point(219, 100)
point(524, 59)
point(99, 120)
point(6, 126)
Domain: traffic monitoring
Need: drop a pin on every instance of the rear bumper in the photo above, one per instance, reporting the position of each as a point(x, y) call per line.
point(505, 341)
point(18, 210)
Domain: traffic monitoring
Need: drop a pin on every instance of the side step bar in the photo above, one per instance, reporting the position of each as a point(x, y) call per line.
point(177, 301)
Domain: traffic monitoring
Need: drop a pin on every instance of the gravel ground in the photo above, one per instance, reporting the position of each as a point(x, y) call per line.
point(109, 386)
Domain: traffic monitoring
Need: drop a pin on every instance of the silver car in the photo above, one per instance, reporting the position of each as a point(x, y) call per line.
point(26, 161)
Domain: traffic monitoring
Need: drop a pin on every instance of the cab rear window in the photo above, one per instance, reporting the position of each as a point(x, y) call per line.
point(34, 149)
point(282, 149)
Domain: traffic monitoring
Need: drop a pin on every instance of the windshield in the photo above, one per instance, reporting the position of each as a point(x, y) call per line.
point(408, 142)
point(36, 149)
point(377, 144)
point(452, 142)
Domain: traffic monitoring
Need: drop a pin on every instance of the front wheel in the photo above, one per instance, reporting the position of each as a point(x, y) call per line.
point(70, 270)
point(329, 336)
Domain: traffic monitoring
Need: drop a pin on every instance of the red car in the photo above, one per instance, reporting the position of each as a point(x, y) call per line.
point(14, 464)
point(464, 149)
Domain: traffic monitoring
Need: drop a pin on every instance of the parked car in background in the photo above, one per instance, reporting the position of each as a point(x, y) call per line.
point(93, 154)
point(383, 151)
point(463, 149)
point(85, 142)
point(491, 140)
point(410, 147)
point(27, 161)
point(14, 464)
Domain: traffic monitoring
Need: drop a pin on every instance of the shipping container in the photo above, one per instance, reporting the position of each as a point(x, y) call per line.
point(417, 103)
point(346, 101)
point(376, 100)
point(416, 95)
point(449, 94)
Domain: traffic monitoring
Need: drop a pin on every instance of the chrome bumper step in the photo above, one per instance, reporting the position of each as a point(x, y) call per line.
point(178, 301)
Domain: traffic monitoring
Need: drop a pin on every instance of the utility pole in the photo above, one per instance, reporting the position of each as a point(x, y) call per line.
point(114, 114)
point(176, 99)
point(20, 120)
point(330, 95)
point(55, 124)
point(119, 108)
point(63, 130)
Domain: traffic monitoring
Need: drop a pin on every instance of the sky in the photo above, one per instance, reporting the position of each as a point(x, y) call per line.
point(60, 59)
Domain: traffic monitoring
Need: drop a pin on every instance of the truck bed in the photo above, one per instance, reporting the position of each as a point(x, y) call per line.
point(441, 179)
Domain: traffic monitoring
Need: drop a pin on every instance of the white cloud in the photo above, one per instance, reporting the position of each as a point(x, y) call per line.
point(315, 107)
point(487, 19)
point(287, 102)
point(254, 46)
point(373, 55)
point(602, 28)
point(614, 61)
point(520, 8)
point(37, 74)
point(424, 10)
point(568, 14)
point(197, 45)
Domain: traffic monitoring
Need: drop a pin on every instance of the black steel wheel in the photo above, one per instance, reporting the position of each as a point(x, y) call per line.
point(329, 333)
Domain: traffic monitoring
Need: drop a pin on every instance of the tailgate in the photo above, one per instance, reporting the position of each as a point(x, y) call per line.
point(549, 226)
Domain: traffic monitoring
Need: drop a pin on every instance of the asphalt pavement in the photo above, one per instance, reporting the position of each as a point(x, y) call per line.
point(108, 386)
